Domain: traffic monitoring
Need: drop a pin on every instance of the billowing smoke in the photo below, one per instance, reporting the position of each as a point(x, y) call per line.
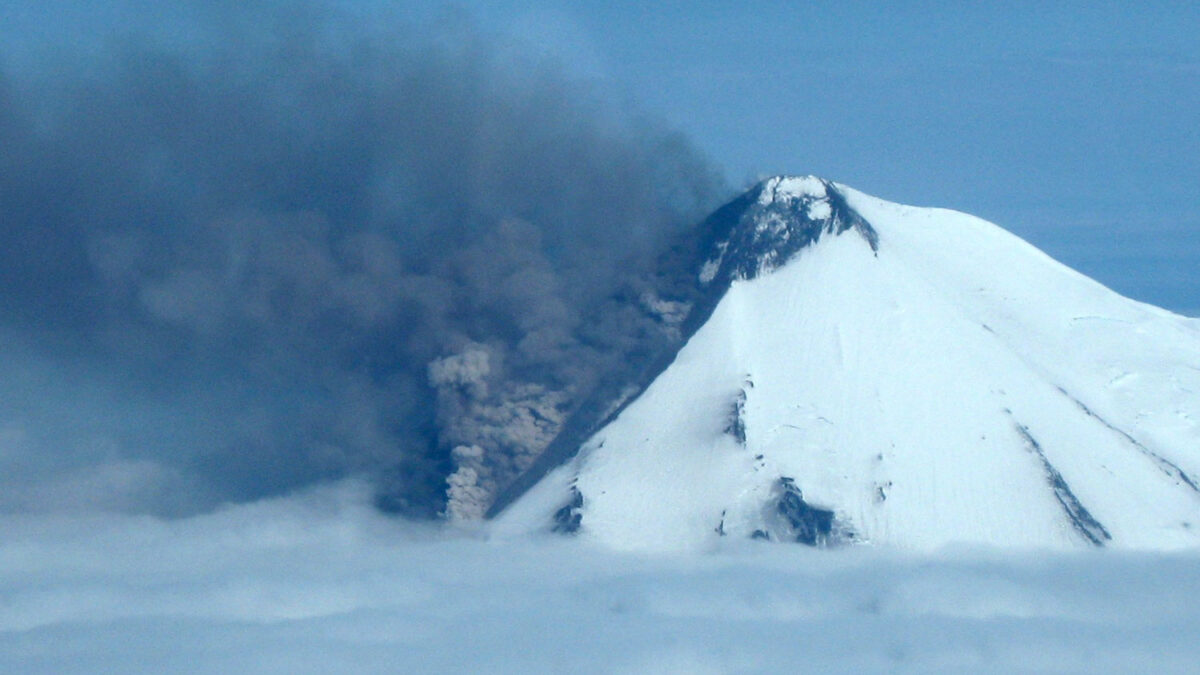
point(311, 249)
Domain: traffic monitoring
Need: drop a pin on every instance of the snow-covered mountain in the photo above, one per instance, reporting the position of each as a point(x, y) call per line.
point(863, 371)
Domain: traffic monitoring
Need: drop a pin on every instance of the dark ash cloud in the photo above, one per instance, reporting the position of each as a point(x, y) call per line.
point(300, 250)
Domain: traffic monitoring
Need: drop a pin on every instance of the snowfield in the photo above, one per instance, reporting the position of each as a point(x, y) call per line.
point(322, 583)
point(947, 383)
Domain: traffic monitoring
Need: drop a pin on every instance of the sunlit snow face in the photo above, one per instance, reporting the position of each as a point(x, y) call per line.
point(924, 380)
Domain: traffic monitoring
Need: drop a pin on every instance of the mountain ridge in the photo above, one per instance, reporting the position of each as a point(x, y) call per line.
point(751, 234)
point(947, 382)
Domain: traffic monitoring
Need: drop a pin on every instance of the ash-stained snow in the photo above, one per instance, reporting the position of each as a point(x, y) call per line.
point(897, 379)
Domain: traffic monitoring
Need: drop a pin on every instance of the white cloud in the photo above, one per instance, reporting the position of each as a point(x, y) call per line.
point(323, 583)
point(117, 485)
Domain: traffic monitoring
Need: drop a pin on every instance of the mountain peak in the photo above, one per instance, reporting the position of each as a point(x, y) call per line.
point(962, 387)
point(774, 221)
point(756, 233)
point(791, 188)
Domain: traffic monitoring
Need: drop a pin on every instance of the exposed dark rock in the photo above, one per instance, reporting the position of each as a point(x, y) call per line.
point(1168, 467)
point(881, 492)
point(810, 525)
point(568, 519)
point(1081, 519)
point(737, 419)
point(774, 225)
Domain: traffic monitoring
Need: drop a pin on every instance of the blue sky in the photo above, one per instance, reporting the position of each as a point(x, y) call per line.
point(1073, 124)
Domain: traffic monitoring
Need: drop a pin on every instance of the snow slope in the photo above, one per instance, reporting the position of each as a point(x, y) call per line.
point(921, 378)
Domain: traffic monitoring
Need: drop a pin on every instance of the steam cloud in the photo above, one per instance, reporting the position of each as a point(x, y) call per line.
point(307, 250)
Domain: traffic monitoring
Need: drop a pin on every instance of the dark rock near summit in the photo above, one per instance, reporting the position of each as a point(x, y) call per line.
point(753, 234)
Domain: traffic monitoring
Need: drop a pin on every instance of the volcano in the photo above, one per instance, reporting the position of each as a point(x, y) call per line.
point(853, 371)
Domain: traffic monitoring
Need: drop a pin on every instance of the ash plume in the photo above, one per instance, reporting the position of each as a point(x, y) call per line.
point(301, 248)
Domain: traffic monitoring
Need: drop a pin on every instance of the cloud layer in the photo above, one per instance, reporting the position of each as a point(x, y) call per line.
point(321, 582)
